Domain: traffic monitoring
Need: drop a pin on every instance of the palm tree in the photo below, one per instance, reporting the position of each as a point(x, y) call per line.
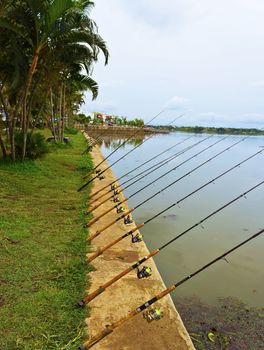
point(35, 30)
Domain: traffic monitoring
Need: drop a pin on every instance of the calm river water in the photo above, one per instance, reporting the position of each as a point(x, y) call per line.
point(243, 275)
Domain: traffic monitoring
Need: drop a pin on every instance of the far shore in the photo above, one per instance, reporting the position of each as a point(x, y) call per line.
point(211, 130)
point(127, 130)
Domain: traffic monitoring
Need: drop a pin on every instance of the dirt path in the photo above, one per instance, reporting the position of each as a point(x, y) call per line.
point(129, 292)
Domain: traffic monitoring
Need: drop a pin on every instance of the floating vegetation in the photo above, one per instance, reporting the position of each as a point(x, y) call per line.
point(230, 325)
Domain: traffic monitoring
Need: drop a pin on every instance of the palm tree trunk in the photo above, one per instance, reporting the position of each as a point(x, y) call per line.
point(52, 115)
point(63, 111)
point(60, 113)
point(2, 144)
point(25, 111)
point(10, 126)
point(2, 99)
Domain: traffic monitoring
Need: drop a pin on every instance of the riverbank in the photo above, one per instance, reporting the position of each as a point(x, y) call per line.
point(211, 130)
point(126, 131)
point(129, 292)
point(42, 250)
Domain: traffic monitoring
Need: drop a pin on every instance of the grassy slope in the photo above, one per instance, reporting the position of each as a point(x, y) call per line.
point(42, 250)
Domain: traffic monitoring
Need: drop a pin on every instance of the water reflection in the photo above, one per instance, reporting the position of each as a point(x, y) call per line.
point(244, 273)
point(113, 142)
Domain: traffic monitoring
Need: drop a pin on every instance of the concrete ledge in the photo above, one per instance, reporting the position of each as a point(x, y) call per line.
point(129, 292)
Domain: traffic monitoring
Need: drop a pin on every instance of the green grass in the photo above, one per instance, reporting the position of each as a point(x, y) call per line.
point(42, 250)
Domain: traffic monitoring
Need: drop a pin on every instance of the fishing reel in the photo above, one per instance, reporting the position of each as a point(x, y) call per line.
point(137, 238)
point(153, 315)
point(116, 199)
point(113, 187)
point(145, 272)
point(128, 220)
point(120, 210)
point(101, 177)
point(98, 171)
point(116, 192)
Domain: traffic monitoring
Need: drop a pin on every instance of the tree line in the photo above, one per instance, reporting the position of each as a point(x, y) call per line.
point(211, 130)
point(48, 49)
point(115, 120)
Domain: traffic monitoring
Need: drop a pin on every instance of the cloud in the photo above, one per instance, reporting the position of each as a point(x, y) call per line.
point(258, 83)
point(252, 118)
point(215, 119)
point(196, 49)
point(96, 106)
point(177, 103)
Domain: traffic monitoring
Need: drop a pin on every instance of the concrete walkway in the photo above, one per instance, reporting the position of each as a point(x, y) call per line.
point(129, 292)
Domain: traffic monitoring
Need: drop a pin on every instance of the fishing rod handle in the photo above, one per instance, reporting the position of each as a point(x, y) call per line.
point(84, 185)
point(108, 330)
point(97, 233)
point(111, 244)
point(116, 278)
point(156, 298)
point(103, 188)
point(102, 288)
point(105, 193)
point(145, 258)
point(94, 340)
point(99, 204)
point(96, 199)
point(88, 174)
point(90, 223)
point(92, 179)
point(98, 191)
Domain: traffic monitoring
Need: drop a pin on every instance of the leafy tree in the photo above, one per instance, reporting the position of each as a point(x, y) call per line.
point(49, 47)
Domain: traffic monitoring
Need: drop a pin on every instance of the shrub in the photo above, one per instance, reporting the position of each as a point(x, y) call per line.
point(36, 145)
point(71, 131)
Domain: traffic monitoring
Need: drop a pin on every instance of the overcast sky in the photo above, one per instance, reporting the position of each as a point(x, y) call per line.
point(204, 58)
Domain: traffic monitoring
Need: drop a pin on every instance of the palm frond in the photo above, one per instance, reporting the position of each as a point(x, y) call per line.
point(55, 11)
point(37, 8)
point(13, 27)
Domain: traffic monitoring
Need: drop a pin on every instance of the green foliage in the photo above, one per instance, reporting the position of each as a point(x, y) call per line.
point(211, 130)
point(136, 122)
point(43, 247)
point(71, 131)
point(46, 61)
point(36, 145)
point(82, 118)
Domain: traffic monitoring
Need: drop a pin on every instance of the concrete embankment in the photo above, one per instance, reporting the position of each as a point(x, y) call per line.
point(129, 292)
point(121, 131)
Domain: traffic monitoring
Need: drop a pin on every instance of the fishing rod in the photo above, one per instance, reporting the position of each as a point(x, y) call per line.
point(110, 328)
point(90, 145)
point(94, 140)
point(100, 251)
point(102, 288)
point(139, 145)
point(129, 138)
point(149, 171)
point(90, 223)
point(139, 166)
point(132, 150)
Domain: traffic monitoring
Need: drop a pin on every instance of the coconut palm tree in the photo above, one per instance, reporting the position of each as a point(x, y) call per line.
point(35, 30)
